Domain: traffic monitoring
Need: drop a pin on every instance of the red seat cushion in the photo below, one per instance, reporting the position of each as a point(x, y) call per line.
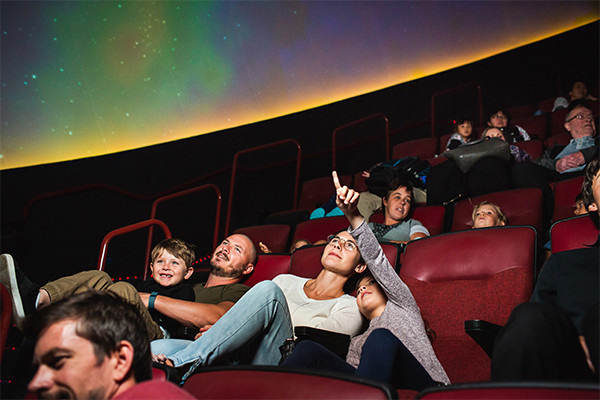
point(268, 267)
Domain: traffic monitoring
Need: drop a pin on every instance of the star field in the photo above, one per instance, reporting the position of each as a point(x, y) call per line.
point(85, 78)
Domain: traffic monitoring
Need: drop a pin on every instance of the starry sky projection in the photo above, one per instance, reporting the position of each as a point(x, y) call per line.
point(85, 78)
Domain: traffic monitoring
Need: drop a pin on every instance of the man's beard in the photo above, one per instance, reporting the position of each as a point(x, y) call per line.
point(219, 271)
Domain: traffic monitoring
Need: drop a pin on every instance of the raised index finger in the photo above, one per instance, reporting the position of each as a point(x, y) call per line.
point(336, 180)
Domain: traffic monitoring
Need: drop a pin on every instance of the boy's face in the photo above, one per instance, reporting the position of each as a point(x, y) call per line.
point(485, 217)
point(168, 270)
point(464, 129)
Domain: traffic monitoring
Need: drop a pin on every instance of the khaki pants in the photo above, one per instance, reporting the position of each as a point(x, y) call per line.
point(99, 280)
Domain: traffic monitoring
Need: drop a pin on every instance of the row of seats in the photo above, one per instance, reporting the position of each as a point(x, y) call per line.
point(276, 383)
point(546, 131)
point(455, 277)
point(521, 206)
point(458, 276)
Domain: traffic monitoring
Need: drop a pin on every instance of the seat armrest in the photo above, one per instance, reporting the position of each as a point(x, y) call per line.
point(484, 333)
point(334, 341)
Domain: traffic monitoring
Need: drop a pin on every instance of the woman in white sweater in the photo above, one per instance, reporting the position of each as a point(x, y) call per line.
point(395, 347)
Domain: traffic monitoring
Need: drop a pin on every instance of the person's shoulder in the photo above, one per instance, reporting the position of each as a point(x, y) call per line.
point(412, 221)
point(568, 260)
point(288, 279)
point(154, 389)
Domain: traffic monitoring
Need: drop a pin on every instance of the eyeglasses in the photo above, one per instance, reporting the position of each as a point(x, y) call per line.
point(336, 240)
point(582, 116)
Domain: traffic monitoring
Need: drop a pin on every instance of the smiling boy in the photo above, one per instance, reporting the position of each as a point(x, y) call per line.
point(171, 267)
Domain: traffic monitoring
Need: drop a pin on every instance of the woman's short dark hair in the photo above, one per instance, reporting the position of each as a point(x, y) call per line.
point(103, 319)
point(399, 182)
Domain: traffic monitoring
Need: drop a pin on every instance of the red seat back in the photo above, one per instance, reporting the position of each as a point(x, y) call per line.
point(275, 236)
point(511, 390)
point(268, 267)
point(525, 110)
point(535, 125)
point(521, 206)
point(560, 139)
point(564, 197)
point(306, 261)
point(359, 183)
point(432, 217)
point(320, 228)
point(534, 147)
point(260, 382)
point(573, 233)
point(475, 274)
point(546, 105)
point(557, 121)
point(318, 191)
point(420, 148)
point(443, 142)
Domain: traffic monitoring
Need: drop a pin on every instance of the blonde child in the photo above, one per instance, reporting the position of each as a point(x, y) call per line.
point(486, 214)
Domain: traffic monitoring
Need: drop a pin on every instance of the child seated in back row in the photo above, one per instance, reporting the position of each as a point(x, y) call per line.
point(486, 215)
point(462, 133)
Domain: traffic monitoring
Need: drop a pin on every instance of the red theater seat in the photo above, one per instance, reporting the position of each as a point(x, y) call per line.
point(513, 390)
point(320, 228)
point(557, 121)
point(268, 267)
point(573, 233)
point(318, 191)
point(536, 126)
point(477, 274)
point(521, 206)
point(421, 148)
point(525, 110)
point(534, 147)
point(359, 183)
point(564, 197)
point(275, 236)
point(560, 139)
point(261, 382)
point(432, 217)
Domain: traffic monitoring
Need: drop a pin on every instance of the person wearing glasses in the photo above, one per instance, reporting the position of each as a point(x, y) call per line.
point(562, 162)
point(395, 347)
point(255, 328)
point(500, 119)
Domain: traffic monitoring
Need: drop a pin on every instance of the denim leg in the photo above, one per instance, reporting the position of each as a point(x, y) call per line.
point(312, 355)
point(385, 358)
point(261, 316)
point(168, 347)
